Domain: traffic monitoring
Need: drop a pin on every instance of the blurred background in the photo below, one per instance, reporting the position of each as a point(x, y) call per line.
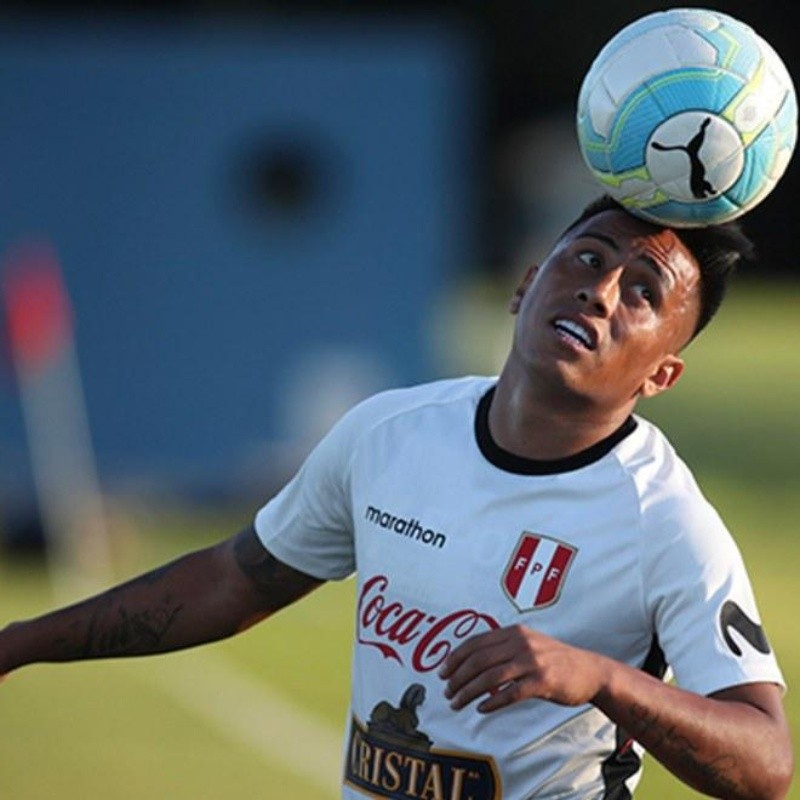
point(246, 217)
point(264, 211)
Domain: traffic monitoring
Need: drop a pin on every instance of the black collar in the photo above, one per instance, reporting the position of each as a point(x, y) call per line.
point(529, 466)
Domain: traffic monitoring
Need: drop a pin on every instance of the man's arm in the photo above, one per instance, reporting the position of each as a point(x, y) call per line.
point(734, 744)
point(201, 597)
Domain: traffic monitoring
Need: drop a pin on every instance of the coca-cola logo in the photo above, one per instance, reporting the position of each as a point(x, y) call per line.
point(407, 633)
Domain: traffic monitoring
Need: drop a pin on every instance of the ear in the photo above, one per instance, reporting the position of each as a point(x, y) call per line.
point(665, 376)
point(519, 292)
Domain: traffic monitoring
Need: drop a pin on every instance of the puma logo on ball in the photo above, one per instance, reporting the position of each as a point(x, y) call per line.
point(698, 183)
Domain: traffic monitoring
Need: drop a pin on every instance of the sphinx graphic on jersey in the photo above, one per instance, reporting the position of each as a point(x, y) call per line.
point(391, 757)
point(400, 724)
point(699, 185)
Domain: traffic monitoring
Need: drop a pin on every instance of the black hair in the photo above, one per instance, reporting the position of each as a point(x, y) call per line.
point(718, 250)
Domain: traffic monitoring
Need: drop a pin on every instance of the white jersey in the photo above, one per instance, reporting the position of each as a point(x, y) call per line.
point(614, 550)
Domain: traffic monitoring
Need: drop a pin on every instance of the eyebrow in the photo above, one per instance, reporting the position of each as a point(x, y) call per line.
point(612, 243)
point(603, 238)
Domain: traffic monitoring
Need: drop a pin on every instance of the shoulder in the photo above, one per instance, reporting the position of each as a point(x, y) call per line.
point(675, 514)
point(398, 411)
point(446, 390)
point(658, 473)
point(394, 403)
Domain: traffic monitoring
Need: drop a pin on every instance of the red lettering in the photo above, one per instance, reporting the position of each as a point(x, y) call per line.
point(405, 629)
point(398, 625)
point(436, 644)
point(376, 604)
point(383, 624)
point(392, 609)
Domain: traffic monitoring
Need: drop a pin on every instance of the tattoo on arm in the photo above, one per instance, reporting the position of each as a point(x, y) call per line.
point(278, 583)
point(114, 627)
point(131, 632)
point(159, 611)
point(671, 747)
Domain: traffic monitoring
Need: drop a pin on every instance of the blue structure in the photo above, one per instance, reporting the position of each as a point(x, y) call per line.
point(231, 209)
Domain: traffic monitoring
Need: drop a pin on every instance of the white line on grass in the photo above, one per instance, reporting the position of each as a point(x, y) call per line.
point(253, 715)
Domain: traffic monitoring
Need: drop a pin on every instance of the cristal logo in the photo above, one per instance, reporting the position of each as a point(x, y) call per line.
point(402, 633)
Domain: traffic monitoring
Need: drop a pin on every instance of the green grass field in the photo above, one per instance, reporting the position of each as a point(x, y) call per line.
point(260, 716)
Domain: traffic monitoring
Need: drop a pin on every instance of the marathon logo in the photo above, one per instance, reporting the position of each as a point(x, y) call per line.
point(411, 528)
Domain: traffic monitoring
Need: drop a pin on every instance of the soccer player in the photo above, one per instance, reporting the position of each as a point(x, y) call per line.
point(533, 558)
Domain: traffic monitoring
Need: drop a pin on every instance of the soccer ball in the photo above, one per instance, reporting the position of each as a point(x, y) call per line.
point(687, 117)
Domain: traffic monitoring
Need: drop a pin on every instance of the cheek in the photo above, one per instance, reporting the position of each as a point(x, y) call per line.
point(657, 328)
point(528, 313)
point(637, 325)
point(643, 340)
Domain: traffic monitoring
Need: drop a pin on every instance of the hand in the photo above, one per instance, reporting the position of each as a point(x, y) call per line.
point(517, 663)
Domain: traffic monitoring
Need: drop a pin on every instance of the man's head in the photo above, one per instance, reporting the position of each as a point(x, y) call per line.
point(718, 249)
point(602, 321)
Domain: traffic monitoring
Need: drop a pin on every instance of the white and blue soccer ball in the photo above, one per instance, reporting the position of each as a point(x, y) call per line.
point(687, 117)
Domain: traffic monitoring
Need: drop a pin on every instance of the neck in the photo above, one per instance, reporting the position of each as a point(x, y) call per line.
point(531, 422)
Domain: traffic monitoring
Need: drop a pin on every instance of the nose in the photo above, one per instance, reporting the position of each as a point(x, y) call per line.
point(602, 293)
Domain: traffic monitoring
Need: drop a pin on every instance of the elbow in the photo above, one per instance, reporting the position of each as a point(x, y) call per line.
point(782, 774)
point(776, 776)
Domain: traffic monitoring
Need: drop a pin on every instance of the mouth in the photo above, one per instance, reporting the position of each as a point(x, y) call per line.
point(576, 333)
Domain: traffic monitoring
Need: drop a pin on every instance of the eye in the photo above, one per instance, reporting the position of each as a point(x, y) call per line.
point(591, 259)
point(644, 292)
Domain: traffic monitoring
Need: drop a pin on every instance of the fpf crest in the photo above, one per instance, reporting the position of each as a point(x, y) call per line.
point(536, 571)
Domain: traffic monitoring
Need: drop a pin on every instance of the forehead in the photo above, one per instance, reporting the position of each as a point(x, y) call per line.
point(634, 237)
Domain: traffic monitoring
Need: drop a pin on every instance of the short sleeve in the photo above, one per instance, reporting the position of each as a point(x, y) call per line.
point(308, 524)
point(701, 601)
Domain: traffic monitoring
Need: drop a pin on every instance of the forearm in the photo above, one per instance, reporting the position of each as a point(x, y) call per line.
point(187, 602)
point(720, 747)
point(732, 745)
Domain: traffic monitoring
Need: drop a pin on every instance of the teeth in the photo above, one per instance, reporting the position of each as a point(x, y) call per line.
point(575, 330)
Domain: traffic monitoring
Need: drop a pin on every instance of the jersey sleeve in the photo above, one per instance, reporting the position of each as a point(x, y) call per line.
point(308, 524)
point(700, 599)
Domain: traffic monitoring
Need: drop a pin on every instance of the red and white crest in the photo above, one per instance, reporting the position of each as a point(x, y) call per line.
point(536, 571)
